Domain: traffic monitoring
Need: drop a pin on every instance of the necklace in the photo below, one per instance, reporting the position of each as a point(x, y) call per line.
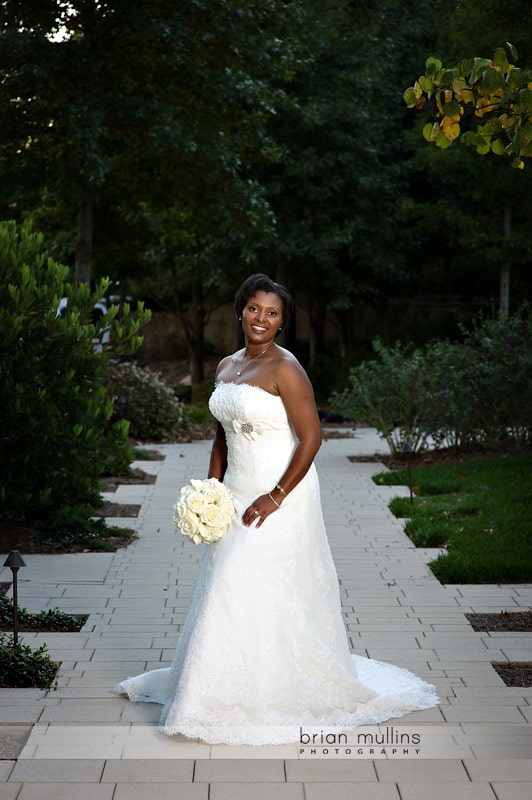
point(249, 360)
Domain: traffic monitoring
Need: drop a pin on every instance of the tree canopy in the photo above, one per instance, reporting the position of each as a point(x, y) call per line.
point(177, 147)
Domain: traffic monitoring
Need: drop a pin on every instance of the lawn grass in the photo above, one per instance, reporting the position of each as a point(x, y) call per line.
point(480, 510)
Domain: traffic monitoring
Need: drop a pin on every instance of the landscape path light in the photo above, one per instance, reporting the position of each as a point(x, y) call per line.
point(14, 561)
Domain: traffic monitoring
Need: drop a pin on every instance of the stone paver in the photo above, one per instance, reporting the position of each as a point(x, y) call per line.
point(258, 791)
point(87, 743)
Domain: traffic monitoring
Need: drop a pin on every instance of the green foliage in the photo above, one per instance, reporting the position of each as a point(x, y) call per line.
point(56, 438)
point(387, 394)
point(196, 414)
point(72, 529)
point(467, 395)
point(142, 397)
point(141, 455)
point(482, 520)
point(494, 89)
point(283, 135)
point(201, 392)
point(22, 667)
point(51, 620)
point(212, 74)
point(327, 373)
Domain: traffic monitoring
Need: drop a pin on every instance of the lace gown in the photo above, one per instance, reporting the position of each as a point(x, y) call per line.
point(264, 649)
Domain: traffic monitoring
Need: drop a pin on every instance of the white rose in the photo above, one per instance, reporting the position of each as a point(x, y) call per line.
point(210, 515)
point(196, 502)
point(180, 509)
point(226, 508)
point(188, 523)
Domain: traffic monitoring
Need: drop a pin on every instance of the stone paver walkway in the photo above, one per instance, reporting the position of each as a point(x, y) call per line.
point(83, 742)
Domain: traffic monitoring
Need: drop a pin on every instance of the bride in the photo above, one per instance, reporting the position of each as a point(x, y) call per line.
point(264, 650)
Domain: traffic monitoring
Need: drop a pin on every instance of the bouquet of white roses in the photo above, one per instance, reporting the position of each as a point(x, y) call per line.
point(204, 510)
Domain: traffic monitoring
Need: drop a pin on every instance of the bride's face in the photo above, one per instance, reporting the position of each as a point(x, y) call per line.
point(262, 317)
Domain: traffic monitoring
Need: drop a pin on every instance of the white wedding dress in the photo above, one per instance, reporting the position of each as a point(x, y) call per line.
point(264, 650)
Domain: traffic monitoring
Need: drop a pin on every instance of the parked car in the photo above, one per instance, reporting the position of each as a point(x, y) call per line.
point(98, 312)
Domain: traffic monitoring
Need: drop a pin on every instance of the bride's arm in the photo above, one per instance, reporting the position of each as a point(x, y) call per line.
point(218, 462)
point(297, 395)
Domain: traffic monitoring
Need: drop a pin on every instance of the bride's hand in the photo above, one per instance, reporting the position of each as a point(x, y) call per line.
point(259, 510)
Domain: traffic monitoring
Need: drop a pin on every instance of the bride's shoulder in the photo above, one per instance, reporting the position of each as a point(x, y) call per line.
point(286, 359)
point(226, 363)
point(288, 368)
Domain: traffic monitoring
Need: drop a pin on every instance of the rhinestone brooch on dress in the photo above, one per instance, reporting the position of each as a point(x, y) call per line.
point(246, 427)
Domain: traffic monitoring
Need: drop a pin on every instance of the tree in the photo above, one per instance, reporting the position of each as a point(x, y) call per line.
point(500, 95)
point(127, 86)
point(495, 90)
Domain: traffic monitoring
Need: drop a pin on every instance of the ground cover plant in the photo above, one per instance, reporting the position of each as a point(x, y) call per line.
point(51, 620)
point(21, 667)
point(478, 510)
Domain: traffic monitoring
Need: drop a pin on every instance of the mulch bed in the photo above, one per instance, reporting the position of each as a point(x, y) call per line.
point(118, 510)
point(73, 624)
point(196, 433)
point(20, 535)
point(423, 459)
point(146, 454)
point(504, 621)
point(110, 483)
point(514, 673)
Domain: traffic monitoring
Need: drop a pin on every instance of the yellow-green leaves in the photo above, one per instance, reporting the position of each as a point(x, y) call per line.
point(494, 91)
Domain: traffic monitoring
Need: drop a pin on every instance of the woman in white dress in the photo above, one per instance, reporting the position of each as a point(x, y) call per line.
point(264, 651)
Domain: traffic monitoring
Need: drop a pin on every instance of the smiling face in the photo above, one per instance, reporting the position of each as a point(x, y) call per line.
point(262, 316)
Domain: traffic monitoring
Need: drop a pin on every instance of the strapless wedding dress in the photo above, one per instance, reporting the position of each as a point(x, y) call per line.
point(264, 650)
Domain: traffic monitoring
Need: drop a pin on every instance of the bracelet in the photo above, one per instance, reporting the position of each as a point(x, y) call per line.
point(281, 489)
point(273, 501)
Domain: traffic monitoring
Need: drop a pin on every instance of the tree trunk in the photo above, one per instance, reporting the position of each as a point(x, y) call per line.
point(84, 240)
point(504, 292)
point(317, 315)
point(193, 322)
point(288, 336)
point(345, 331)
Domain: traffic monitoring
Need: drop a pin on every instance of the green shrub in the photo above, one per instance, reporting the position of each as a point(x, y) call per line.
point(141, 397)
point(196, 414)
point(467, 395)
point(388, 394)
point(56, 438)
point(479, 390)
point(501, 379)
point(22, 667)
point(200, 392)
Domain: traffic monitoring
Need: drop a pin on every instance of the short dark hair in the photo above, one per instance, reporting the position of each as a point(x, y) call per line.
point(261, 283)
